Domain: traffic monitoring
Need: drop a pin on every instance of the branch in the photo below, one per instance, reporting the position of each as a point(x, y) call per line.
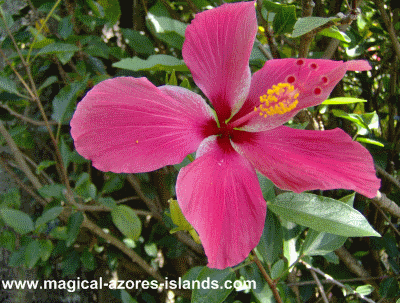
point(320, 287)
point(22, 117)
point(388, 176)
point(327, 277)
point(389, 26)
point(306, 39)
point(267, 278)
point(122, 247)
point(386, 204)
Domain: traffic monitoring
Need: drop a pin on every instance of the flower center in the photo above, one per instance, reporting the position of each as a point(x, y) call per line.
point(282, 98)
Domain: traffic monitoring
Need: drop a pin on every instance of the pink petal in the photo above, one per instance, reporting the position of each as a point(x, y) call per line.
point(128, 125)
point(314, 80)
point(217, 50)
point(220, 196)
point(300, 160)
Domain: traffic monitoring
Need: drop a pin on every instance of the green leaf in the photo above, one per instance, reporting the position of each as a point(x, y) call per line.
point(71, 263)
point(126, 297)
point(65, 152)
point(343, 100)
point(8, 85)
point(322, 214)
point(18, 220)
point(278, 269)
point(172, 79)
point(52, 191)
point(153, 63)
point(32, 254)
point(64, 102)
point(22, 137)
point(261, 291)
point(66, 27)
point(365, 290)
point(320, 243)
point(108, 201)
point(177, 216)
point(267, 187)
point(284, 19)
point(8, 240)
point(185, 83)
point(73, 227)
point(112, 10)
point(48, 215)
point(43, 165)
point(84, 187)
point(364, 122)
point(114, 182)
point(58, 48)
point(88, 260)
point(334, 32)
point(270, 245)
point(307, 24)
point(389, 288)
point(127, 221)
point(349, 199)
point(46, 247)
point(140, 43)
point(11, 198)
point(49, 81)
point(370, 141)
point(207, 293)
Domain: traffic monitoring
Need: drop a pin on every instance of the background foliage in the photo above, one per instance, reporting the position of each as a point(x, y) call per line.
point(62, 219)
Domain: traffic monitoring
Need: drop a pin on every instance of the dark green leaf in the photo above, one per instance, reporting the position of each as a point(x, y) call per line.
point(210, 293)
point(114, 182)
point(73, 228)
point(270, 245)
point(52, 191)
point(322, 214)
point(46, 247)
point(126, 297)
point(8, 240)
point(127, 221)
point(11, 198)
point(140, 43)
point(389, 288)
point(66, 27)
point(32, 254)
point(88, 260)
point(57, 48)
point(48, 215)
point(278, 269)
point(64, 102)
point(112, 10)
point(18, 220)
point(108, 201)
point(8, 85)
point(71, 263)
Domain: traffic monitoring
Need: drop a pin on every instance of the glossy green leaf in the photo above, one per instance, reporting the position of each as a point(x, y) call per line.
point(270, 245)
point(364, 122)
point(73, 227)
point(140, 43)
point(343, 100)
point(322, 214)
point(307, 24)
point(18, 220)
point(334, 32)
point(56, 48)
point(212, 293)
point(320, 243)
point(153, 63)
point(32, 253)
point(127, 221)
point(48, 215)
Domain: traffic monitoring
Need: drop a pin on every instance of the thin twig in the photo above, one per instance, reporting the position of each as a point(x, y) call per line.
point(100, 208)
point(320, 287)
point(22, 117)
point(271, 283)
point(326, 276)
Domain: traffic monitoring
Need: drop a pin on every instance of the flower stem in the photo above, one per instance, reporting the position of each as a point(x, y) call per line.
point(267, 278)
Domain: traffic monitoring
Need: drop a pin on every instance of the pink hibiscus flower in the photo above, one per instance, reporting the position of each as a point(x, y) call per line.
point(127, 125)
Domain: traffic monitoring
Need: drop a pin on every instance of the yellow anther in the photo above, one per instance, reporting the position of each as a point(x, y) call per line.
point(280, 99)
